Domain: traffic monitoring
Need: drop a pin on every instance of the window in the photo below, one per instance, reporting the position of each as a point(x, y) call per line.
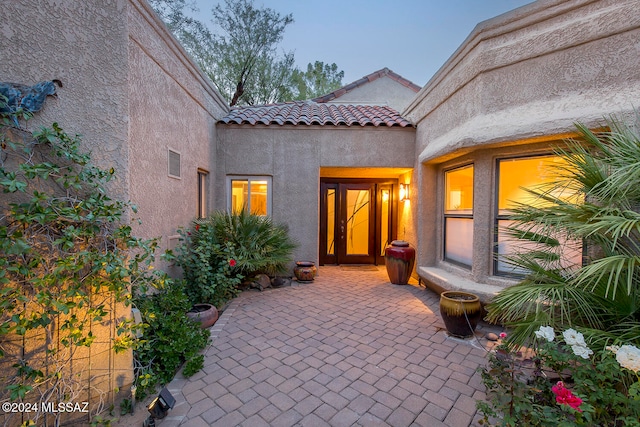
point(174, 164)
point(514, 177)
point(458, 215)
point(250, 193)
point(203, 192)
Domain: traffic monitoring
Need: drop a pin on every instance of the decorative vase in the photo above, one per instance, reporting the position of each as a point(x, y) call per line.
point(461, 312)
point(205, 314)
point(399, 258)
point(305, 271)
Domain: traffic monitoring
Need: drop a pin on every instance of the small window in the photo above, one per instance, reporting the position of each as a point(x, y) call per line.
point(252, 194)
point(458, 216)
point(203, 192)
point(174, 164)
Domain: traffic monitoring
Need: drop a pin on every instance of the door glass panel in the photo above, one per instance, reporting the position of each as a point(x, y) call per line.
point(331, 220)
point(384, 220)
point(357, 222)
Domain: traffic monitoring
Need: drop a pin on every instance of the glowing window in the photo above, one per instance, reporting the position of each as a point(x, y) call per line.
point(515, 177)
point(250, 193)
point(458, 215)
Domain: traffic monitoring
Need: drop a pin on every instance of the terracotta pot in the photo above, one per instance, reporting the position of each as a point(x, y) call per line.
point(305, 271)
point(399, 258)
point(205, 314)
point(461, 312)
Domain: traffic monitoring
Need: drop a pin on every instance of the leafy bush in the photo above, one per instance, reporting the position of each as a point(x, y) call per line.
point(562, 384)
point(208, 266)
point(170, 338)
point(219, 251)
point(66, 261)
point(260, 246)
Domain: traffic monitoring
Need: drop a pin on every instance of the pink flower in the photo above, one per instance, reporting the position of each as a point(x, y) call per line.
point(232, 262)
point(503, 335)
point(565, 397)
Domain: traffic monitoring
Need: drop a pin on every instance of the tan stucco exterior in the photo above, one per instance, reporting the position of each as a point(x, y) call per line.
point(294, 155)
point(518, 80)
point(514, 87)
point(131, 92)
point(381, 91)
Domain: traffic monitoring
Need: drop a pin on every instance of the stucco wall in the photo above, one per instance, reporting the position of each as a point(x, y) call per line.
point(382, 91)
point(83, 44)
point(532, 72)
point(172, 105)
point(293, 157)
point(518, 83)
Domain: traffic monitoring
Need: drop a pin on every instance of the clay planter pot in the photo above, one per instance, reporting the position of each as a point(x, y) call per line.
point(305, 271)
point(205, 314)
point(461, 312)
point(399, 258)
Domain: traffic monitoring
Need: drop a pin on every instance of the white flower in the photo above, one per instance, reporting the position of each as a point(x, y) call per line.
point(582, 351)
point(628, 356)
point(572, 337)
point(546, 332)
point(613, 348)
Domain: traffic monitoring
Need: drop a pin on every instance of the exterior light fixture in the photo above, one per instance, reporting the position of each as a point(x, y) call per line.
point(159, 407)
point(404, 192)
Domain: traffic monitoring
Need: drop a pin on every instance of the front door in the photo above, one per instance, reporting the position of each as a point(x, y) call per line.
point(355, 219)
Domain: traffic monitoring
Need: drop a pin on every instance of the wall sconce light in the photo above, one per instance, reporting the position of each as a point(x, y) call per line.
point(404, 192)
point(159, 407)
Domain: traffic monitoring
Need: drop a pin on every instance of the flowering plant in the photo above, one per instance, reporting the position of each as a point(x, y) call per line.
point(561, 381)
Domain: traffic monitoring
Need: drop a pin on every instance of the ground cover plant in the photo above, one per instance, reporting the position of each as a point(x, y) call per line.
point(598, 302)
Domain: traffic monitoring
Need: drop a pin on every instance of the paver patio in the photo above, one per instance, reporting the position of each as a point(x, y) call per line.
point(349, 349)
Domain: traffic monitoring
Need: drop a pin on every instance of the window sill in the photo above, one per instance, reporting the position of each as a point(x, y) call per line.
point(440, 280)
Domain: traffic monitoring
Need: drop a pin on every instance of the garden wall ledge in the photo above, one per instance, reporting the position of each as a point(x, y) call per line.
point(440, 280)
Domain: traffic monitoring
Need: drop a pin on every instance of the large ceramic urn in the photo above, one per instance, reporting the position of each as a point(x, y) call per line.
point(399, 258)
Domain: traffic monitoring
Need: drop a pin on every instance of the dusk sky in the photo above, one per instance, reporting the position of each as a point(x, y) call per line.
point(414, 38)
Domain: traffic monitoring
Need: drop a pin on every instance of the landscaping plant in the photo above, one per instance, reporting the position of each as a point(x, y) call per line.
point(170, 339)
point(219, 251)
point(68, 264)
point(590, 378)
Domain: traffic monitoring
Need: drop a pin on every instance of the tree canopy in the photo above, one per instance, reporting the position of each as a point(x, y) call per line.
point(241, 54)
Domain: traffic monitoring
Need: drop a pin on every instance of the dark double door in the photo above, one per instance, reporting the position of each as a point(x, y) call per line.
point(357, 220)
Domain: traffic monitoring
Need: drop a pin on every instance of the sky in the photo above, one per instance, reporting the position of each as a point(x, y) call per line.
point(413, 38)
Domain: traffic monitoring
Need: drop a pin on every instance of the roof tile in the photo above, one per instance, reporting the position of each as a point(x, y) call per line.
point(311, 113)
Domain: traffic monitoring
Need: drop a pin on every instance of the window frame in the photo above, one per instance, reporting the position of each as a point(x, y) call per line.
point(446, 215)
point(203, 194)
point(249, 179)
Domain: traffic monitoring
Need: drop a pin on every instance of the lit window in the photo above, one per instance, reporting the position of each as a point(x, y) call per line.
point(250, 193)
point(458, 215)
point(515, 176)
point(203, 191)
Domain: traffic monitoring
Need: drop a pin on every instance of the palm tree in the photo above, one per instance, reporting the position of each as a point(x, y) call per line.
point(601, 297)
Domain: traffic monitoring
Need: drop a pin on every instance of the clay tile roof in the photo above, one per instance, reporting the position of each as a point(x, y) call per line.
point(311, 113)
point(367, 79)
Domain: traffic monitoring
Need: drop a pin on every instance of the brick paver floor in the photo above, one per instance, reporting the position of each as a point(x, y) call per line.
point(349, 349)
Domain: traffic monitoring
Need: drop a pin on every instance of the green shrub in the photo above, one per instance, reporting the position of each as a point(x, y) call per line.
point(170, 338)
point(260, 245)
point(66, 261)
point(219, 251)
